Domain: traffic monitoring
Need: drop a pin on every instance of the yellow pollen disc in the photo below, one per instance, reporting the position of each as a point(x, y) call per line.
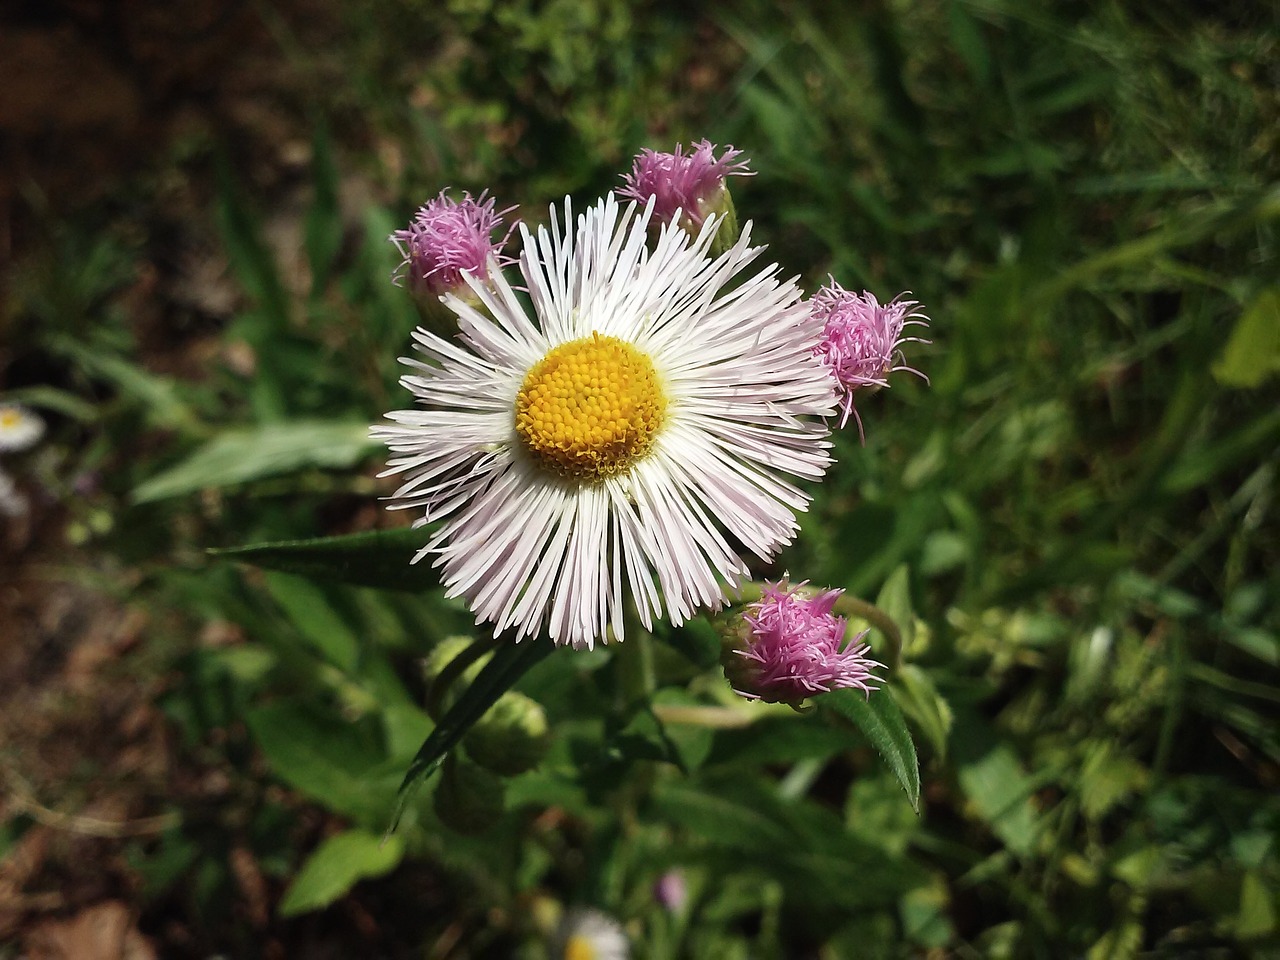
point(590, 408)
point(579, 948)
point(10, 418)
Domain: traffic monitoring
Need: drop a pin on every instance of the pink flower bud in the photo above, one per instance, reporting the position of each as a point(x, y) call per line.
point(795, 647)
point(862, 340)
point(447, 238)
point(691, 184)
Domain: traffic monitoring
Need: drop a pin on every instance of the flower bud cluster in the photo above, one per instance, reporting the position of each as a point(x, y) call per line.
point(510, 739)
point(789, 645)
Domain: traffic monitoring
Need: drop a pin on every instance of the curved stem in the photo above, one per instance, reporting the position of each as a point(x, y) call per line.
point(857, 607)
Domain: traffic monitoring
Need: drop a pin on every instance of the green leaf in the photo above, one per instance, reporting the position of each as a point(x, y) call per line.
point(993, 778)
point(336, 866)
point(780, 739)
point(240, 455)
point(333, 762)
point(160, 398)
point(320, 625)
point(251, 259)
point(924, 915)
point(322, 236)
point(966, 37)
point(51, 398)
point(378, 558)
point(721, 820)
point(789, 836)
point(1252, 353)
point(1257, 907)
point(1106, 778)
point(894, 599)
point(927, 708)
point(509, 663)
point(879, 718)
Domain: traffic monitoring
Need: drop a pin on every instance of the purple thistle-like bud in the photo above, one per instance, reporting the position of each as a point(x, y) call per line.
point(795, 648)
point(692, 183)
point(447, 238)
point(862, 340)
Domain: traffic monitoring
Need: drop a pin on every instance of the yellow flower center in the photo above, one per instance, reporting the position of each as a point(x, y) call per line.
point(10, 418)
point(579, 948)
point(590, 408)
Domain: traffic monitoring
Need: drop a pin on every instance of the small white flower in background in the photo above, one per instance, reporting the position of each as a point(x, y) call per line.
point(590, 935)
point(19, 428)
point(623, 438)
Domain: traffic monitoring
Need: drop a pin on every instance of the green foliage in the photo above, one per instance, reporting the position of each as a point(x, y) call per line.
point(1071, 527)
point(239, 456)
point(376, 558)
point(337, 865)
point(1252, 353)
point(880, 719)
point(507, 665)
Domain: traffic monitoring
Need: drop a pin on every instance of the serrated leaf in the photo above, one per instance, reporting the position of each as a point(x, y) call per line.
point(336, 866)
point(509, 663)
point(880, 720)
point(377, 558)
point(240, 455)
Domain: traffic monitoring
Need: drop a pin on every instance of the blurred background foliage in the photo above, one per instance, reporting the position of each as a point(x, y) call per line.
point(1073, 523)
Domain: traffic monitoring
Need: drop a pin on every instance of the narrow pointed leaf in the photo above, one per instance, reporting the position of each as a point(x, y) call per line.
point(509, 663)
point(377, 558)
point(880, 720)
point(244, 454)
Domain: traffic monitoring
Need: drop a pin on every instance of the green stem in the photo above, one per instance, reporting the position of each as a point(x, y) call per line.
point(636, 679)
point(851, 606)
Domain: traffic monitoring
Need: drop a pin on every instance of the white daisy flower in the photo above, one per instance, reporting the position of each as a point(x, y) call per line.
point(618, 441)
point(591, 935)
point(19, 427)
